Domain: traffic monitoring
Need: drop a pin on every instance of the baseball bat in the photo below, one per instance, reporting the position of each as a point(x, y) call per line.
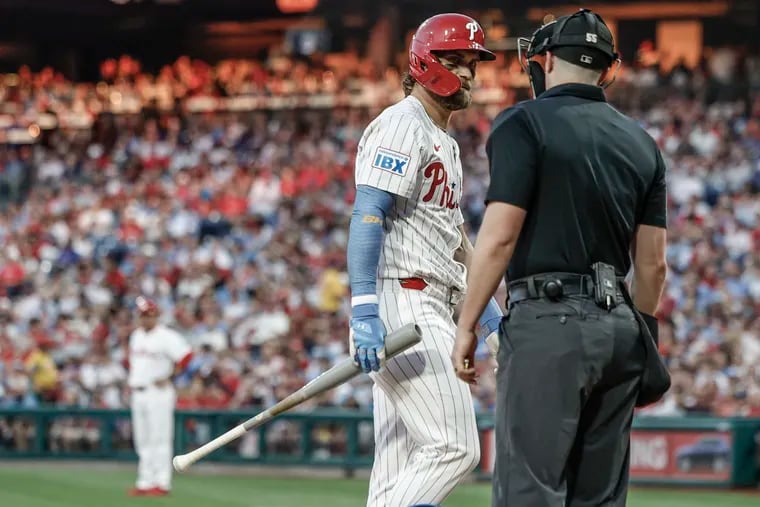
point(395, 343)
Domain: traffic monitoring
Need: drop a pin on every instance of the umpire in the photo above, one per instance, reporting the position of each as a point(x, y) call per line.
point(577, 190)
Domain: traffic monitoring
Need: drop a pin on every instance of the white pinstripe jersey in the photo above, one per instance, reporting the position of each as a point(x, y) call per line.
point(403, 152)
point(153, 354)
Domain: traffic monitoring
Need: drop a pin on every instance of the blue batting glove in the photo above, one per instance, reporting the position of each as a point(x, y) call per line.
point(490, 319)
point(367, 337)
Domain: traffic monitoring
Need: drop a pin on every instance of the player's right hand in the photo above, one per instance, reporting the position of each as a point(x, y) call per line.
point(367, 336)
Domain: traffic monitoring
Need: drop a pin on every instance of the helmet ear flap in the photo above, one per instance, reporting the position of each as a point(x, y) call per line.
point(433, 76)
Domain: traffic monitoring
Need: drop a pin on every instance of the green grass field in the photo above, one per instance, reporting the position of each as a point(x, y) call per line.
point(25, 485)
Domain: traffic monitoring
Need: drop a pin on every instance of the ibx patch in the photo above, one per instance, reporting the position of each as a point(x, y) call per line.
point(391, 161)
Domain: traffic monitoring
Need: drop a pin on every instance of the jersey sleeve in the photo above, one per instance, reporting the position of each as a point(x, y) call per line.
point(459, 217)
point(512, 150)
point(390, 154)
point(655, 205)
point(177, 347)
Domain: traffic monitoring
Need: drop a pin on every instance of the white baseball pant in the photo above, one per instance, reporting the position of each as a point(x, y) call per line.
point(153, 435)
point(426, 438)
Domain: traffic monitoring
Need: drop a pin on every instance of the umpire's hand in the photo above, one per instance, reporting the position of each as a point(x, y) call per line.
point(463, 356)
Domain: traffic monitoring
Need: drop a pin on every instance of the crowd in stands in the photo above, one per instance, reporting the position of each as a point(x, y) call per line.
point(235, 222)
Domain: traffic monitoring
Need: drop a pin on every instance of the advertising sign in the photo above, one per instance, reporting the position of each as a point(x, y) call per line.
point(661, 455)
point(684, 454)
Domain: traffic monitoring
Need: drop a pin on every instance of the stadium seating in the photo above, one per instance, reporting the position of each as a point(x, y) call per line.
point(224, 192)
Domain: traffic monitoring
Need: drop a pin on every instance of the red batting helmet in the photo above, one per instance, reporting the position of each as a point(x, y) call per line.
point(146, 306)
point(443, 32)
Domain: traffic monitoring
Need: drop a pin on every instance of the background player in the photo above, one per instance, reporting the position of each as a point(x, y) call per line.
point(407, 254)
point(155, 353)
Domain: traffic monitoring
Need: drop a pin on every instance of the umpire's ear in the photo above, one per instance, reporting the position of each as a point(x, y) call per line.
point(549, 62)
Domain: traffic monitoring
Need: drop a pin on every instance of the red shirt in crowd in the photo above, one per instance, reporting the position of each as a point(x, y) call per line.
point(231, 206)
point(12, 274)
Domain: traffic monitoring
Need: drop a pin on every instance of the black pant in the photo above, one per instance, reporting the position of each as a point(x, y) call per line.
point(567, 384)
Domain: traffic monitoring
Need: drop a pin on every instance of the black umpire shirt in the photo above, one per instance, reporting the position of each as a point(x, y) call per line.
point(586, 174)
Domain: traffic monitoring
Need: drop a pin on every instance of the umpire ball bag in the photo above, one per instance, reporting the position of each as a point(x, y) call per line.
point(655, 380)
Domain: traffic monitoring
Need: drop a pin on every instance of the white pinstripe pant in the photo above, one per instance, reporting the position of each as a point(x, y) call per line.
point(426, 439)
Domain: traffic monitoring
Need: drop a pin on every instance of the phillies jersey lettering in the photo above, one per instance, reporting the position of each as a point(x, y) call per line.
point(403, 152)
point(440, 180)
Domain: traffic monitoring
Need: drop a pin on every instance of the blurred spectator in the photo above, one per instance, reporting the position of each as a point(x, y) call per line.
point(234, 220)
point(42, 369)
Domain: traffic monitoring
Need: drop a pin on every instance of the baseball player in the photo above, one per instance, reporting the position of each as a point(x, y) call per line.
point(156, 352)
point(407, 256)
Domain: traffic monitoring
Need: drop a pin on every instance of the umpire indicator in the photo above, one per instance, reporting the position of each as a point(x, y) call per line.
point(576, 200)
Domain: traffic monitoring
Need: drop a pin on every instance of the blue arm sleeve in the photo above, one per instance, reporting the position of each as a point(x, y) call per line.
point(365, 238)
point(490, 319)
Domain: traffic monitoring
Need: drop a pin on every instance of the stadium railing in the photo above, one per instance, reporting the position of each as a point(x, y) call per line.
point(686, 451)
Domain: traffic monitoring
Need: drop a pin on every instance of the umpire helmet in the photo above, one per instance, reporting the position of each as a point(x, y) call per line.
point(581, 38)
point(443, 32)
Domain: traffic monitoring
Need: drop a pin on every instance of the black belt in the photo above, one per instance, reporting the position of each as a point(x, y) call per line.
point(553, 286)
